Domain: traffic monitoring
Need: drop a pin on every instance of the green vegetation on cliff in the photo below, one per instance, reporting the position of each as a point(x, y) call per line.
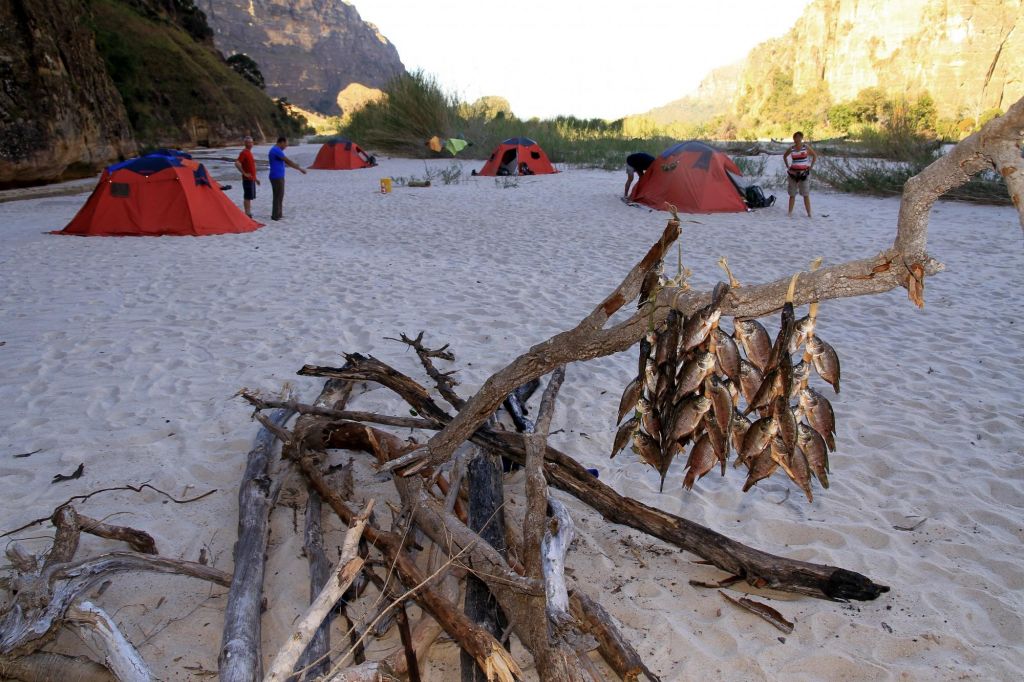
point(175, 86)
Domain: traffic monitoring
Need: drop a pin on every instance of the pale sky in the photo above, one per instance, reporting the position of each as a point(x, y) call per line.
point(593, 59)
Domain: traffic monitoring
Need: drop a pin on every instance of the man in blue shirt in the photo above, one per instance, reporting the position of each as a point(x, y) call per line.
point(278, 161)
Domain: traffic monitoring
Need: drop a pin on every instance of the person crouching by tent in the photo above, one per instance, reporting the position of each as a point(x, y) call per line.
point(278, 161)
point(636, 165)
point(246, 165)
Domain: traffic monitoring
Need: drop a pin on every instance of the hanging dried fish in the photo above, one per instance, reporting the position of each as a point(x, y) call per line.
point(820, 416)
point(702, 459)
point(825, 359)
point(727, 353)
point(753, 337)
point(624, 434)
point(629, 398)
point(693, 373)
point(814, 448)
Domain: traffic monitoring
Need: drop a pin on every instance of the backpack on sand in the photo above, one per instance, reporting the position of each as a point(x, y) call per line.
point(756, 199)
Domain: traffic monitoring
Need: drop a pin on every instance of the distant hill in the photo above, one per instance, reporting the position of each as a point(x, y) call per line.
point(968, 54)
point(309, 51)
point(87, 82)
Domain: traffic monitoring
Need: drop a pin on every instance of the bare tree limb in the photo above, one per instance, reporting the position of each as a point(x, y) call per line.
point(119, 655)
point(349, 566)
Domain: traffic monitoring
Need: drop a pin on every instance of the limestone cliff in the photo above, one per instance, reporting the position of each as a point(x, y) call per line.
point(968, 54)
point(308, 50)
point(60, 113)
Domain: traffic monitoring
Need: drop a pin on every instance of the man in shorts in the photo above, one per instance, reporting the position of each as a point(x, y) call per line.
point(246, 165)
point(636, 164)
point(799, 160)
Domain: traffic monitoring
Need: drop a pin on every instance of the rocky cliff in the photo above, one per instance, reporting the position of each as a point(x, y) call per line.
point(60, 114)
point(968, 54)
point(308, 50)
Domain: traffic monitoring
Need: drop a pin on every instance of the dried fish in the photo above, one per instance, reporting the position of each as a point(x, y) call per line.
point(802, 331)
point(649, 419)
point(799, 470)
point(762, 611)
point(647, 449)
point(697, 328)
point(629, 398)
point(756, 343)
point(693, 373)
point(780, 349)
point(624, 434)
point(719, 439)
point(721, 402)
point(820, 416)
point(702, 459)
point(751, 379)
point(688, 417)
point(761, 466)
point(825, 359)
point(740, 426)
point(786, 421)
point(758, 437)
point(814, 448)
point(727, 354)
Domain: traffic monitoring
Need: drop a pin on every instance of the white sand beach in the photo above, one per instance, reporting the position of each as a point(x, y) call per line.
point(125, 354)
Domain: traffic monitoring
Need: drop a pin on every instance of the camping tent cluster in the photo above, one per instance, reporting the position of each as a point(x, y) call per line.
point(163, 193)
point(693, 177)
point(168, 193)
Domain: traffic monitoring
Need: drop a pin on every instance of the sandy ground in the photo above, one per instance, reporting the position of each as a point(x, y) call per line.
point(124, 355)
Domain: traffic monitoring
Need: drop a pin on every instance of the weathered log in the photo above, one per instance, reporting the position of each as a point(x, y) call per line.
point(118, 653)
point(240, 658)
point(486, 497)
point(47, 667)
point(613, 647)
point(562, 471)
point(349, 566)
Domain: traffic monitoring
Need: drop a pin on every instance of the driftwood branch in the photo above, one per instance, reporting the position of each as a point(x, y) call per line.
point(118, 653)
point(240, 653)
point(349, 566)
point(562, 471)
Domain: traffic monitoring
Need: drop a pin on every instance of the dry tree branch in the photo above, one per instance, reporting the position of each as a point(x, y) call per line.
point(996, 145)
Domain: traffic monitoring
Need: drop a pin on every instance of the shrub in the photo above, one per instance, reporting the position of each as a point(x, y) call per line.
point(246, 67)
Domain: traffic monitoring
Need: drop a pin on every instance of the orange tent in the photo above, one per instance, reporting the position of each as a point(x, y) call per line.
point(342, 154)
point(693, 177)
point(518, 156)
point(158, 194)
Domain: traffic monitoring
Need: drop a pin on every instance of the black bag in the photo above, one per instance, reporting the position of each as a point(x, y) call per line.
point(756, 199)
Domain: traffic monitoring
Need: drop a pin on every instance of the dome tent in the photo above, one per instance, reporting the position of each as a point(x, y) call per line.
point(342, 153)
point(518, 156)
point(158, 194)
point(693, 177)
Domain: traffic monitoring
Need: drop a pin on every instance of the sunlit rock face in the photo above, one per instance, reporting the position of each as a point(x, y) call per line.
point(968, 54)
point(308, 50)
point(60, 114)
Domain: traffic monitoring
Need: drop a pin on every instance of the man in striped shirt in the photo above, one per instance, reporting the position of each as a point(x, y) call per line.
point(799, 160)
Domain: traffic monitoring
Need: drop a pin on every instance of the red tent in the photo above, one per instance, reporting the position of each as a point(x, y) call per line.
point(518, 156)
point(158, 194)
point(693, 177)
point(342, 154)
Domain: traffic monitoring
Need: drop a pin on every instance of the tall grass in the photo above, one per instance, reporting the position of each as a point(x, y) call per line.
point(416, 108)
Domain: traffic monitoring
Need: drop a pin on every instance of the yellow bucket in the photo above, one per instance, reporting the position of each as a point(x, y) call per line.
point(385, 185)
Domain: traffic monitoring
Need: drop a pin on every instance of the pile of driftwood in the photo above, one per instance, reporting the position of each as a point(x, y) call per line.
point(453, 525)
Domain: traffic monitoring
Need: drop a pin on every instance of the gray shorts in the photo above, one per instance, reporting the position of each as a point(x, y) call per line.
point(803, 187)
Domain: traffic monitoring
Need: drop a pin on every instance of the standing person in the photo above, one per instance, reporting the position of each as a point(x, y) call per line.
point(636, 164)
point(799, 160)
point(278, 161)
point(246, 165)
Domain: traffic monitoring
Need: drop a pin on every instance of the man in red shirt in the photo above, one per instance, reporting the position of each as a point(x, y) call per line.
point(246, 165)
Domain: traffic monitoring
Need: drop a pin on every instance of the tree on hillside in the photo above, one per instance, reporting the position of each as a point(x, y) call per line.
point(247, 68)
